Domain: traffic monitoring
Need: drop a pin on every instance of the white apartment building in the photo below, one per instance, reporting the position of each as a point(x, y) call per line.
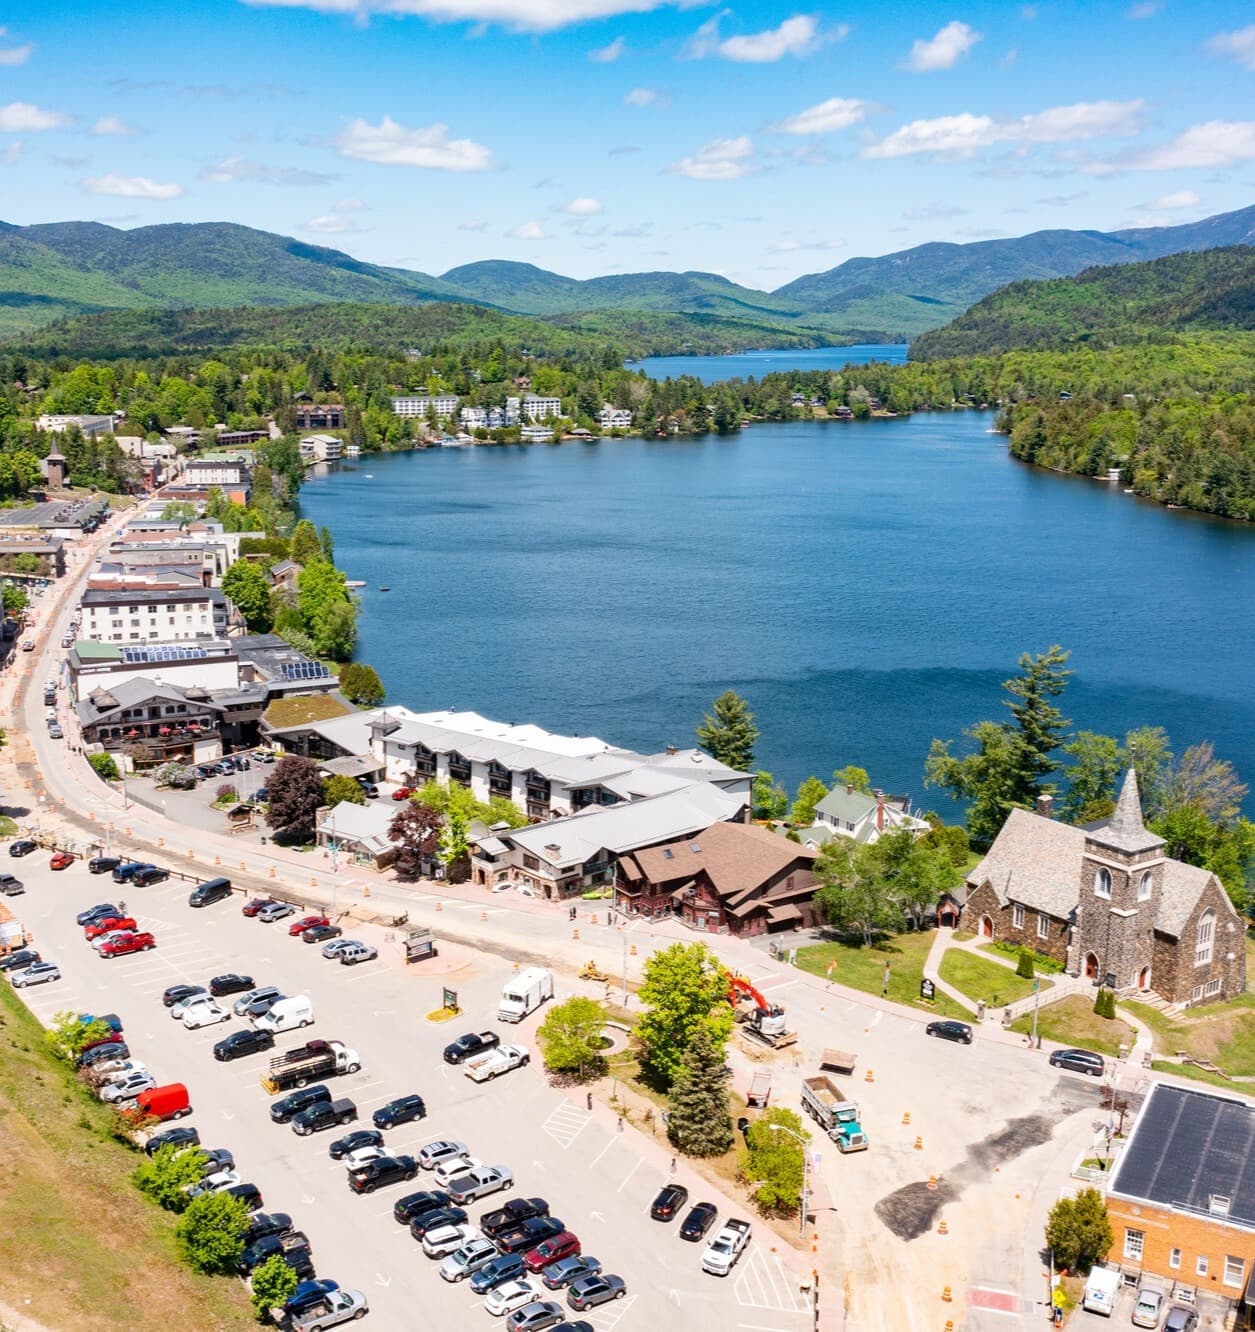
point(216, 472)
point(321, 448)
point(474, 418)
point(614, 418)
point(445, 405)
point(58, 423)
point(154, 617)
point(536, 434)
point(537, 407)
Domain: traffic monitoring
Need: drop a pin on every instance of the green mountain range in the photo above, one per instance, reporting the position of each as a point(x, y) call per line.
point(1108, 306)
point(54, 270)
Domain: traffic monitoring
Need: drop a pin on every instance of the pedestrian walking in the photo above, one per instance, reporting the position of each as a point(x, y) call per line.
point(884, 983)
point(673, 1165)
point(589, 1099)
point(619, 1125)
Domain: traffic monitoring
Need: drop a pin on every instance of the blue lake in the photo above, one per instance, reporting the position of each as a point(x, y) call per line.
point(756, 364)
point(865, 585)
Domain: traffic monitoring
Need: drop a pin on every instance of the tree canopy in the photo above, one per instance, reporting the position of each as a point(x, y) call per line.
point(727, 732)
point(685, 988)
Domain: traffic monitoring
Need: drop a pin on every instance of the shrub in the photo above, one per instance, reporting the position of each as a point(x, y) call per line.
point(226, 794)
point(1024, 966)
point(570, 1038)
point(104, 766)
point(165, 1175)
point(69, 1037)
point(1105, 1003)
point(272, 1285)
point(210, 1234)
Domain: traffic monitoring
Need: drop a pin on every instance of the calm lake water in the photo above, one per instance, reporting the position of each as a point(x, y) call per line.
point(865, 585)
point(756, 364)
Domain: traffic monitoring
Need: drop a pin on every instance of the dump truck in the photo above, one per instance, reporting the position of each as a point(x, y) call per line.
point(834, 1112)
point(525, 993)
point(309, 1063)
point(762, 1020)
point(501, 1060)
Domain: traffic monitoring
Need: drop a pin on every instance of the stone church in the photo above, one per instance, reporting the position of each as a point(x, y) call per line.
point(1107, 903)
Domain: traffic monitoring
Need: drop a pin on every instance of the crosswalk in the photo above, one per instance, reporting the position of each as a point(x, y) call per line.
point(566, 1122)
point(764, 1282)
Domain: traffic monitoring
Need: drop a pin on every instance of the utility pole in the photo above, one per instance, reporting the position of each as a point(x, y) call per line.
point(1036, 1004)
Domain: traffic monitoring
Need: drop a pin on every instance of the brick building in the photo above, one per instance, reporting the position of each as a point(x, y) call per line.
point(1109, 904)
point(1182, 1196)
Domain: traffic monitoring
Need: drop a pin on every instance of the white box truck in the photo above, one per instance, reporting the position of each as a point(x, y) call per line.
point(1101, 1288)
point(525, 993)
point(287, 1015)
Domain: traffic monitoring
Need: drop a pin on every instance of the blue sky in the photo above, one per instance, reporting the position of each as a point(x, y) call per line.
point(756, 140)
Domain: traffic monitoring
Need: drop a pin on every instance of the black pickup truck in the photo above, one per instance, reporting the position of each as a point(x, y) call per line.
point(323, 1115)
point(473, 1043)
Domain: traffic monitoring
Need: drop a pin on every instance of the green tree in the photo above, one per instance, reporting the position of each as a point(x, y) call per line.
point(1024, 964)
point(338, 788)
point(68, 1037)
point(909, 872)
point(455, 846)
point(247, 586)
point(166, 1175)
point(570, 1038)
point(210, 1233)
point(305, 544)
point(699, 1122)
point(15, 599)
point(850, 897)
point(809, 794)
point(852, 776)
point(1092, 775)
point(1010, 760)
point(769, 799)
point(272, 1285)
point(327, 544)
point(104, 766)
point(26, 563)
point(361, 684)
point(1078, 1232)
point(685, 988)
point(773, 1160)
point(334, 630)
point(728, 732)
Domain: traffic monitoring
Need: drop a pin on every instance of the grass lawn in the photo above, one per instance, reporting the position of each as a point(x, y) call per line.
point(76, 1238)
point(863, 968)
point(1196, 1074)
point(1222, 1034)
point(979, 978)
point(1072, 1021)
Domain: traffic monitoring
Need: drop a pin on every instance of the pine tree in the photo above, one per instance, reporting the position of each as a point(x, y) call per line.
point(728, 732)
point(699, 1123)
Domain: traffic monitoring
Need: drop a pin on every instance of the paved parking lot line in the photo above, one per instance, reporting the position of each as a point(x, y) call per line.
point(566, 1122)
point(628, 1177)
point(607, 1317)
point(764, 1283)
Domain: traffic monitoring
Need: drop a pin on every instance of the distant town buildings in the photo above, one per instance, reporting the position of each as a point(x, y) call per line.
point(419, 406)
point(136, 616)
point(90, 425)
point(538, 407)
point(321, 448)
point(319, 416)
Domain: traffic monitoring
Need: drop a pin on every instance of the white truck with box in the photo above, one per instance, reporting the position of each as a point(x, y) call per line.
point(1102, 1286)
point(485, 1067)
point(524, 994)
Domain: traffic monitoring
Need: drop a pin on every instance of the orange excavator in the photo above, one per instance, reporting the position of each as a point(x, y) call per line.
point(762, 1020)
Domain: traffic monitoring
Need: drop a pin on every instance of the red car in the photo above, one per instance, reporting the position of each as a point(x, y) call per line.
point(61, 860)
point(564, 1244)
point(130, 943)
point(306, 923)
point(254, 905)
point(112, 923)
point(403, 793)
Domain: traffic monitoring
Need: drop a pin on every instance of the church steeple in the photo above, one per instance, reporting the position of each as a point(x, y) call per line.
point(1125, 831)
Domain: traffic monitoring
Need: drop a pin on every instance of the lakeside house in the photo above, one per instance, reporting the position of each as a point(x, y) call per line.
point(319, 416)
point(421, 405)
point(848, 812)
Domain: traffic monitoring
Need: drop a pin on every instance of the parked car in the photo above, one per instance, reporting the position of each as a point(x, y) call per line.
point(23, 846)
point(214, 1159)
point(438, 1152)
point(403, 793)
point(306, 923)
point(255, 904)
point(250, 1196)
point(103, 864)
point(98, 912)
point(22, 958)
point(434, 1218)
point(127, 870)
point(402, 1110)
point(307, 1294)
point(671, 1198)
point(535, 1317)
point(207, 893)
point(261, 994)
point(175, 994)
point(950, 1030)
point(148, 875)
point(109, 935)
point(377, 1174)
point(1079, 1061)
point(103, 1053)
point(468, 1259)
point(505, 1267)
point(324, 1115)
point(569, 1269)
point(205, 1013)
point(286, 1106)
point(590, 1291)
point(562, 1245)
point(275, 911)
point(1181, 1318)
point(529, 1234)
point(1149, 1307)
point(241, 1043)
point(371, 790)
point(512, 1215)
point(354, 952)
point(472, 1043)
point(414, 1205)
point(261, 1224)
point(38, 973)
point(230, 982)
point(55, 732)
point(321, 933)
point(449, 1170)
point(508, 1296)
point(131, 943)
point(217, 1182)
point(441, 1241)
point(353, 1142)
point(61, 860)
point(110, 925)
point(11, 885)
point(128, 1086)
point(699, 1220)
point(335, 947)
point(182, 1136)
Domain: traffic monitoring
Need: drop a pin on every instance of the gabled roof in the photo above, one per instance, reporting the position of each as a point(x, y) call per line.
point(366, 824)
point(849, 806)
point(737, 858)
point(131, 693)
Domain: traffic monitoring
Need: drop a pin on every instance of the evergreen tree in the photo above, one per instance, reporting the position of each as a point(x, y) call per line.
point(360, 684)
point(1078, 1232)
point(305, 543)
point(728, 732)
point(699, 1123)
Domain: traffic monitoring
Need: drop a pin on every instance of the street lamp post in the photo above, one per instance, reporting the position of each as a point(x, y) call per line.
point(784, 1128)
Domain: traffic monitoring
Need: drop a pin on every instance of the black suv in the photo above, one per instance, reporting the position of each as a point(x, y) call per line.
point(23, 847)
point(352, 1142)
point(286, 1106)
point(425, 1222)
point(671, 1197)
point(1079, 1061)
point(378, 1173)
point(512, 1215)
point(401, 1111)
point(241, 1043)
point(147, 875)
point(103, 864)
point(415, 1204)
point(262, 1224)
point(24, 957)
point(173, 1137)
point(529, 1234)
point(128, 869)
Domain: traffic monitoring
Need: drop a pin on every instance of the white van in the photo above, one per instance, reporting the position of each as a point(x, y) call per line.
point(287, 1015)
point(1101, 1289)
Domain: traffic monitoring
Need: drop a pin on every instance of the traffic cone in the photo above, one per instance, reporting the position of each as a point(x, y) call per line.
point(942, 1228)
point(575, 934)
point(870, 1076)
point(632, 950)
point(945, 1294)
point(932, 1182)
point(906, 1116)
point(919, 1144)
point(439, 906)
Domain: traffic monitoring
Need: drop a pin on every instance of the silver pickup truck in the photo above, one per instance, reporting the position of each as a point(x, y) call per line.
point(337, 1306)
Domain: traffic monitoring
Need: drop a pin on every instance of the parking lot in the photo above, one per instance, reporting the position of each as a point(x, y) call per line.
point(598, 1179)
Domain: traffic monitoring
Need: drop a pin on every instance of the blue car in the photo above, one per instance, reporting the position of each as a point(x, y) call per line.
point(307, 1294)
point(500, 1270)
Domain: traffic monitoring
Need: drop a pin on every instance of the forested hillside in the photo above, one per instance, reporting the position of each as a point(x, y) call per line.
point(1104, 306)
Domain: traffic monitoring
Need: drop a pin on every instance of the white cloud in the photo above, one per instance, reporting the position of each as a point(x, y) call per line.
point(583, 207)
point(787, 245)
point(607, 55)
point(1239, 46)
point(349, 206)
point(933, 212)
point(131, 187)
point(1144, 9)
point(394, 145)
point(837, 113)
point(234, 169)
point(532, 15)
point(12, 152)
point(331, 224)
point(23, 118)
point(528, 231)
point(722, 159)
point(17, 55)
point(796, 36)
point(943, 51)
point(114, 125)
point(962, 134)
point(1180, 199)
point(646, 97)
point(1218, 143)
